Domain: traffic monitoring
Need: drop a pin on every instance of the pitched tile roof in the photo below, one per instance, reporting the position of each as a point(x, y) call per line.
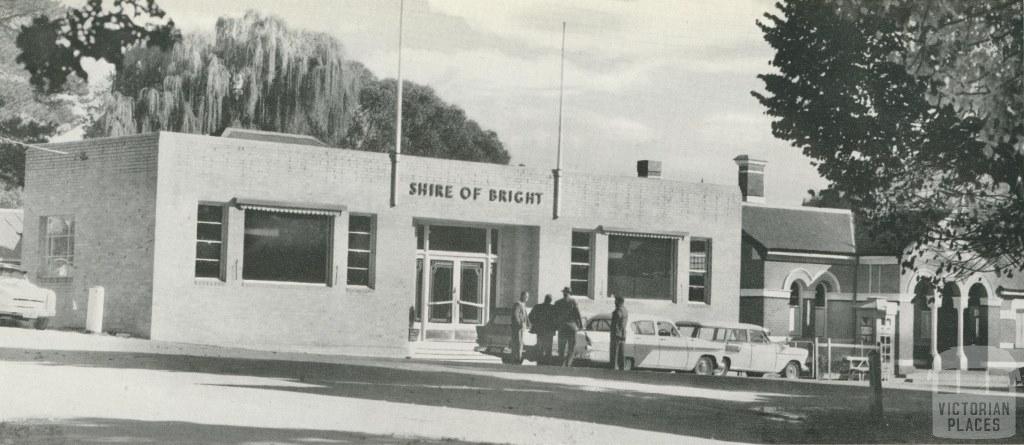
point(11, 227)
point(800, 229)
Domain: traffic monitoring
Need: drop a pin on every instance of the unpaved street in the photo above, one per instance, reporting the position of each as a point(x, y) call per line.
point(89, 391)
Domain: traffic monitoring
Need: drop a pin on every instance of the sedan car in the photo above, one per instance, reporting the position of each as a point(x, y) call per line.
point(23, 301)
point(653, 342)
point(747, 348)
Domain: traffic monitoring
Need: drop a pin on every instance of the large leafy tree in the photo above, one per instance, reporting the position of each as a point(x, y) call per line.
point(874, 131)
point(24, 115)
point(53, 49)
point(258, 73)
point(430, 127)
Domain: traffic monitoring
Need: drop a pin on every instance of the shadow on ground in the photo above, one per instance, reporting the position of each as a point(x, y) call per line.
point(106, 431)
point(786, 412)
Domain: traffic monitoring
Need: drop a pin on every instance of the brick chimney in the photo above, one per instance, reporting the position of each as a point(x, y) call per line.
point(648, 169)
point(751, 177)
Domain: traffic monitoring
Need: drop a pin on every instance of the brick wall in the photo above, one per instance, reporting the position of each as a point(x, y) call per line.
point(109, 187)
point(130, 206)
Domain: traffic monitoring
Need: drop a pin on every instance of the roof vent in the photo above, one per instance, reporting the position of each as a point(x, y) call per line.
point(648, 169)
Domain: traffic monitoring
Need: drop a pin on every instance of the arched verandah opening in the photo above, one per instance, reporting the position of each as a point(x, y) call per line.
point(948, 317)
point(975, 319)
point(924, 292)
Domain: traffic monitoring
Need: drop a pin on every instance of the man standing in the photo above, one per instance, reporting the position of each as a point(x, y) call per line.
point(569, 321)
point(520, 322)
point(543, 323)
point(620, 319)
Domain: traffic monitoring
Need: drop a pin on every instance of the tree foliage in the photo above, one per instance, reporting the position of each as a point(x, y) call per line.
point(972, 51)
point(905, 162)
point(257, 73)
point(430, 127)
point(12, 155)
point(53, 49)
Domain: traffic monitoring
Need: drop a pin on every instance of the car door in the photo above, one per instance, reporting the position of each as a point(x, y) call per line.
point(642, 345)
point(737, 348)
point(598, 331)
point(762, 352)
point(672, 348)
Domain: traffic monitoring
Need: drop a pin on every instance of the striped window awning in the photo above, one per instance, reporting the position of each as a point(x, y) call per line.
point(1008, 293)
point(626, 232)
point(296, 208)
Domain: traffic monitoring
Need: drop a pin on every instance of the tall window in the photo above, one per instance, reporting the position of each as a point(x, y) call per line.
point(794, 294)
point(700, 270)
point(209, 241)
point(360, 250)
point(58, 245)
point(819, 294)
point(579, 274)
point(286, 247)
point(640, 267)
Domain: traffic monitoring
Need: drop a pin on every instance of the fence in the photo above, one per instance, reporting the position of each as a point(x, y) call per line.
point(840, 361)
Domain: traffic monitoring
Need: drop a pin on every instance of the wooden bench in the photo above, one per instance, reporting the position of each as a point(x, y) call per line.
point(859, 367)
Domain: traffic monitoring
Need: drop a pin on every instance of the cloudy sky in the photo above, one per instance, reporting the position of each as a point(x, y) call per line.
point(662, 80)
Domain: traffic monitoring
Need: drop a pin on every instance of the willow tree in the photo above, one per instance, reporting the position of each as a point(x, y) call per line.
point(255, 73)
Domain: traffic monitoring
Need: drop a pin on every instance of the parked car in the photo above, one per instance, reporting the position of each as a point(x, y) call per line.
point(747, 348)
point(21, 300)
point(494, 338)
point(653, 342)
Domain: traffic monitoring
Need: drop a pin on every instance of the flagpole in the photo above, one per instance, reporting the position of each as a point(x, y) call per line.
point(398, 112)
point(557, 172)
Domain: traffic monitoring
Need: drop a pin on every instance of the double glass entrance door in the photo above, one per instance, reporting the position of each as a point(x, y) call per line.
point(456, 291)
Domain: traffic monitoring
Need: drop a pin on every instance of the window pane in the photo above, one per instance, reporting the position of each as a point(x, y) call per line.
point(721, 334)
point(211, 232)
point(706, 334)
point(686, 331)
point(696, 293)
point(640, 267)
point(56, 225)
point(665, 329)
point(359, 241)
point(286, 247)
point(211, 213)
point(494, 241)
point(419, 236)
point(360, 223)
point(581, 239)
point(458, 239)
point(208, 269)
point(600, 325)
point(210, 251)
point(644, 327)
point(580, 272)
point(357, 277)
point(359, 260)
point(580, 256)
point(579, 288)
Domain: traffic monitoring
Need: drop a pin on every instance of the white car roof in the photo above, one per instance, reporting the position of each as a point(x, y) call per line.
point(721, 324)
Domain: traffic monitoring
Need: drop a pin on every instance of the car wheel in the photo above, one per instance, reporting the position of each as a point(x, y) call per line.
point(41, 323)
point(755, 374)
point(627, 365)
point(705, 366)
point(724, 369)
point(792, 370)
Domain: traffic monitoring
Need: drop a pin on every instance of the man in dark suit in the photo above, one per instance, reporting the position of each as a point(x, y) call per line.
point(543, 324)
point(620, 321)
point(569, 322)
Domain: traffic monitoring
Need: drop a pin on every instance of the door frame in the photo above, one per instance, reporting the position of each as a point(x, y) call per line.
point(490, 263)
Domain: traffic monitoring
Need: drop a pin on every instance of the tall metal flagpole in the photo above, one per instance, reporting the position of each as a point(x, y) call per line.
point(557, 172)
point(398, 113)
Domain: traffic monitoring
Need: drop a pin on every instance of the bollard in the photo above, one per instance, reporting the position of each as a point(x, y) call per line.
point(875, 371)
point(94, 312)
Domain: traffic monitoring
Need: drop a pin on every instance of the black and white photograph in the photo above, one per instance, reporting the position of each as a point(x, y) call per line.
point(511, 221)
